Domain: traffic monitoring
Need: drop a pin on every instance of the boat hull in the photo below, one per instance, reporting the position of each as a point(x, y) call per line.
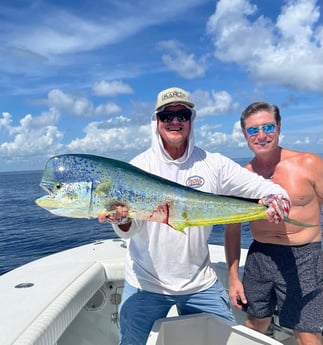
point(72, 297)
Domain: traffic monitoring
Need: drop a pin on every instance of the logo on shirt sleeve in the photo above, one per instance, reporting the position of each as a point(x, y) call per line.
point(195, 181)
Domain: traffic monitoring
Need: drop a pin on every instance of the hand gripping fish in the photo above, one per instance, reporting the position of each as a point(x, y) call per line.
point(82, 186)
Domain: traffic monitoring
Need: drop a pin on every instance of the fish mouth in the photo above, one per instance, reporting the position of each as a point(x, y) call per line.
point(49, 191)
point(46, 200)
point(48, 188)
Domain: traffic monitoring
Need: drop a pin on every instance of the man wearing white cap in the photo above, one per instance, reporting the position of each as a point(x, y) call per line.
point(163, 266)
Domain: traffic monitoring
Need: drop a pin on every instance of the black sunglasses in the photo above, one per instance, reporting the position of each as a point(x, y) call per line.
point(182, 115)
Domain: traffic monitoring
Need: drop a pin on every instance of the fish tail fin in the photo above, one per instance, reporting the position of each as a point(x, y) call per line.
point(297, 223)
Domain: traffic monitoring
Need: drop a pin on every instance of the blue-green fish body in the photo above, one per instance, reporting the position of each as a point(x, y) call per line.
point(82, 186)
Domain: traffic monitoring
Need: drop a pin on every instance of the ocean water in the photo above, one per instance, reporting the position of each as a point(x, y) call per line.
point(28, 232)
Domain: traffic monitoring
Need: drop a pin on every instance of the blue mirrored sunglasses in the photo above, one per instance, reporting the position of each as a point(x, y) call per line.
point(182, 115)
point(268, 128)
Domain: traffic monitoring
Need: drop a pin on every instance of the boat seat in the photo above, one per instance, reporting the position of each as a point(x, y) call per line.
point(47, 308)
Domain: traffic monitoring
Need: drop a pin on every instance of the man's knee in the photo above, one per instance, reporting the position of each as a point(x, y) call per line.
point(260, 325)
point(304, 338)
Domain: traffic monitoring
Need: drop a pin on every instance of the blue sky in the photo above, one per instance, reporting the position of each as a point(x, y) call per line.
point(83, 76)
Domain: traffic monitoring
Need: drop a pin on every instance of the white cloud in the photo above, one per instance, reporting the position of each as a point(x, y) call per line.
point(212, 138)
point(177, 59)
point(287, 52)
point(64, 33)
point(80, 106)
point(59, 99)
point(6, 120)
point(237, 135)
point(107, 109)
point(111, 88)
point(303, 141)
point(76, 106)
point(213, 102)
point(68, 31)
point(102, 138)
point(33, 136)
point(209, 138)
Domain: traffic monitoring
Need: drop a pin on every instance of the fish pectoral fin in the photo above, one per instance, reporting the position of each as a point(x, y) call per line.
point(107, 212)
point(178, 227)
point(103, 188)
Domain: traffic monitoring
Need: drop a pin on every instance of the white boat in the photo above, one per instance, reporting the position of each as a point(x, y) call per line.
point(72, 297)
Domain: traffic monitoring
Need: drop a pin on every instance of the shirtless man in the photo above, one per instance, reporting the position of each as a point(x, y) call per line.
point(284, 267)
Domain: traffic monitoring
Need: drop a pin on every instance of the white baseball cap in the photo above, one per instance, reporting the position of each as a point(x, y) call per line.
point(173, 95)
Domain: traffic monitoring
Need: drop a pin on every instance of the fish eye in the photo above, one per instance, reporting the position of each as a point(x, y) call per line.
point(58, 185)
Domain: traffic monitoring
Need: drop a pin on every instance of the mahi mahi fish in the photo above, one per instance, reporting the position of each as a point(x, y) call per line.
point(82, 186)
